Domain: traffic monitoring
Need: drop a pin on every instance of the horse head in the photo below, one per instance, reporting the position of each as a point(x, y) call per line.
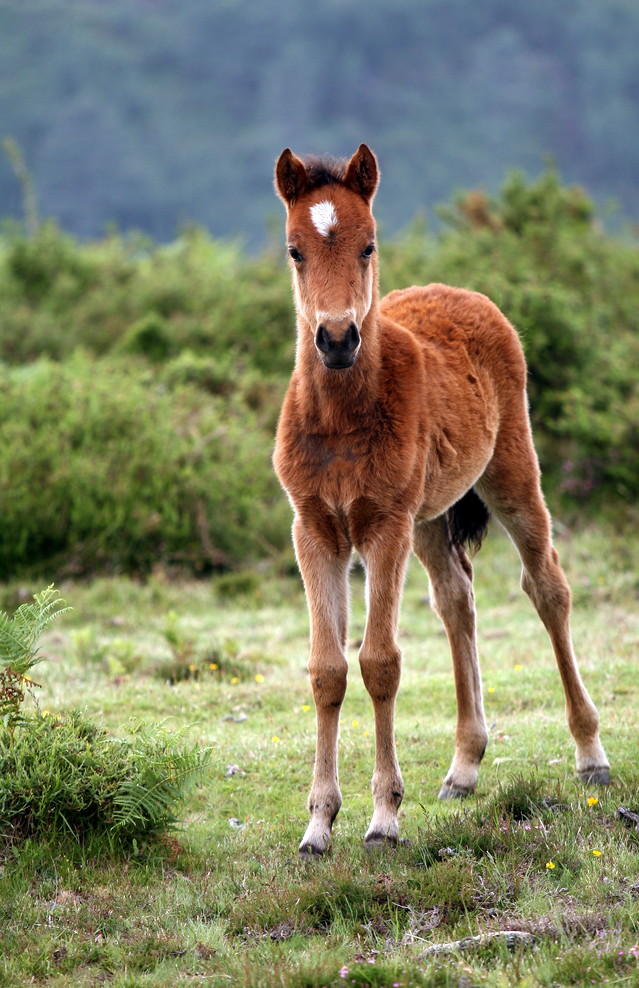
point(330, 234)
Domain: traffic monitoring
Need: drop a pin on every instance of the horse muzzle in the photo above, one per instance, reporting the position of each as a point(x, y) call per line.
point(338, 352)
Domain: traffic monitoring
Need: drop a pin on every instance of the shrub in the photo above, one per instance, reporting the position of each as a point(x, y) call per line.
point(103, 467)
point(57, 295)
point(148, 337)
point(66, 776)
point(207, 373)
point(50, 264)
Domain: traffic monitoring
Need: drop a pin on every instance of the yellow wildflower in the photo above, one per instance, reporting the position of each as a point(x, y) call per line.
point(597, 854)
point(355, 723)
point(491, 689)
point(192, 666)
point(235, 679)
point(518, 668)
point(213, 665)
point(259, 678)
point(275, 739)
point(550, 864)
point(305, 708)
point(592, 800)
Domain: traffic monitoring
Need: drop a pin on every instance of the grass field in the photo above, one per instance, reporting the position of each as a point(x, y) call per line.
point(224, 900)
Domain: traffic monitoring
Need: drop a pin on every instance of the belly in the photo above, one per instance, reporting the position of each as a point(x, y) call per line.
point(454, 463)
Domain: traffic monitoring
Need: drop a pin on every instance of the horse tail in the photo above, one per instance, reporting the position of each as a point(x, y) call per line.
point(468, 521)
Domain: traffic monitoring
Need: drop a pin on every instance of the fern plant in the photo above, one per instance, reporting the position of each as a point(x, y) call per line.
point(20, 651)
point(162, 770)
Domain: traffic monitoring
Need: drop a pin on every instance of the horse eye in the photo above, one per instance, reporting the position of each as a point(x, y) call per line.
point(295, 255)
point(368, 250)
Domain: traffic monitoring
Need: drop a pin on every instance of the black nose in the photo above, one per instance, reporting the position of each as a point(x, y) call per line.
point(337, 353)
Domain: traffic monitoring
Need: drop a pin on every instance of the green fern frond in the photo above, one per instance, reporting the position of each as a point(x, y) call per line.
point(165, 772)
point(19, 651)
point(12, 648)
point(20, 634)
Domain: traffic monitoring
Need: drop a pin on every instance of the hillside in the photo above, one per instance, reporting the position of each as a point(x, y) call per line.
point(148, 114)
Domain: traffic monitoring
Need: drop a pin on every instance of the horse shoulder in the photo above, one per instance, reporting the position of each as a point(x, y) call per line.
point(401, 415)
point(402, 377)
point(287, 436)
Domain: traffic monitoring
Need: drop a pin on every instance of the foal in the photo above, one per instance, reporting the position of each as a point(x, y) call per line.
point(405, 420)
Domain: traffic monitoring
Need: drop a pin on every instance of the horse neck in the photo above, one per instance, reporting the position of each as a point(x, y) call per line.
point(334, 401)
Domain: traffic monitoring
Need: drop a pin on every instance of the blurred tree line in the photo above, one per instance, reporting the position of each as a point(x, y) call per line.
point(140, 384)
point(149, 114)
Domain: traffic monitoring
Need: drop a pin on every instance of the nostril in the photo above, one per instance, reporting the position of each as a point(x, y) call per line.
point(352, 337)
point(322, 339)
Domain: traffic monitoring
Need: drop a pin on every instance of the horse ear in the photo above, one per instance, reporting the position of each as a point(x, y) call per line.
point(362, 173)
point(290, 177)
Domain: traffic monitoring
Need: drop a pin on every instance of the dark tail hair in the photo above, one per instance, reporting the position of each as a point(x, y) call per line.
point(468, 521)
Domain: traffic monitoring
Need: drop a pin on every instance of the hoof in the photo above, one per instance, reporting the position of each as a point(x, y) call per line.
point(454, 792)
point(597, 776)
point(373, 842)
point(309, 852)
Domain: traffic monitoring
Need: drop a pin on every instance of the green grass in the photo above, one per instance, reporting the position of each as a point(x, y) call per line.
point(223, 903)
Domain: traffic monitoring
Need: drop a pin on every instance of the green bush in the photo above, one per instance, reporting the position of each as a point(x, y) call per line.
point(103, 467)
point(148, 337)
point(205, 372)
point(64, 776)
point(20, 651)
point(57, 295)
point(50, 265)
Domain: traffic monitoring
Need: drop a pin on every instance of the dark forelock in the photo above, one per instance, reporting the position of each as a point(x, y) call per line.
point(323, 170)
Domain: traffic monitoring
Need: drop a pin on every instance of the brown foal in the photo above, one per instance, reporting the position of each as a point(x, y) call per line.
point(405, 420)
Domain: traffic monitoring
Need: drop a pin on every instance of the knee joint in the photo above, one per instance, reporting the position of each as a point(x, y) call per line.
point(381, 673)
point(329, 684)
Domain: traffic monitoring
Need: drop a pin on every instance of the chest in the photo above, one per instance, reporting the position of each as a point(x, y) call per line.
point(376, 461)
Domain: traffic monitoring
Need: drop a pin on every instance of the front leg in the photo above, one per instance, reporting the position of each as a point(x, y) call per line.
point(385, 557)
point(323, 555)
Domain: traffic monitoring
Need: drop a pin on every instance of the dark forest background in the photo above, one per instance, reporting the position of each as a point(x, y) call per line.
point(151, 114)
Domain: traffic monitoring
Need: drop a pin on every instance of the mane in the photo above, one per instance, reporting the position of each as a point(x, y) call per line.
point(323, 170)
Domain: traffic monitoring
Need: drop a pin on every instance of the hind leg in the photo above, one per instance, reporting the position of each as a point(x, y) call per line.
point(512, 491)
point(451, 581)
